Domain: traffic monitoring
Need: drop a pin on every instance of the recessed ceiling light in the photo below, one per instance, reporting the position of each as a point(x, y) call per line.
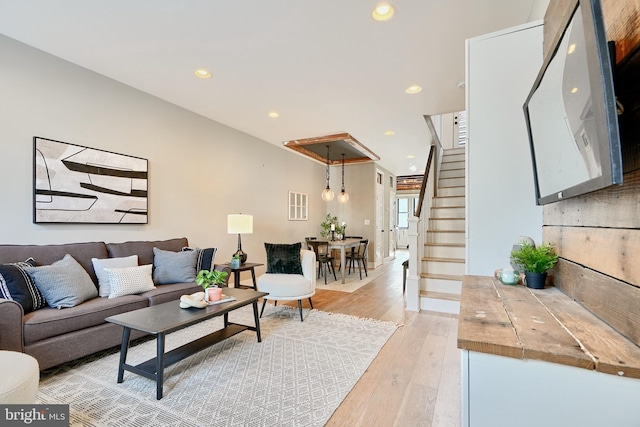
point(413, 89)
point(574, 90)
point(202, 73)
point(410, 156)
point(572, 48)
point(274, 114)
point(389, 133)
point(383, 12)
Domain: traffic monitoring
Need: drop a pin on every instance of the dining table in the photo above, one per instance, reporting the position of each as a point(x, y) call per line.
point(342, 245)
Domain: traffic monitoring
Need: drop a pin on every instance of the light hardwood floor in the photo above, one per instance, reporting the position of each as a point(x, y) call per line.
point(415, 379)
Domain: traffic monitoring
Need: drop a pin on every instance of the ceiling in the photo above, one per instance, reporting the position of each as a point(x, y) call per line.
point(326, 68)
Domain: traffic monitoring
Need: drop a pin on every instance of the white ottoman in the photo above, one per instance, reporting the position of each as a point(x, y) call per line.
point(20, 377)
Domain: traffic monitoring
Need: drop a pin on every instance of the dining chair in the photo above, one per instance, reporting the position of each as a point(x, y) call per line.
point(323, 258)
point(352, 250)
point(359, 256)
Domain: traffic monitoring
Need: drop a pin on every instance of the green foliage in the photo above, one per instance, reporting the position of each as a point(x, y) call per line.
point(535, 259)
point(326, 226)
point(213, 278)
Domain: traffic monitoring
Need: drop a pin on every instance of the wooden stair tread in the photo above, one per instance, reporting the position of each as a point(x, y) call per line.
point(448, 218)
point(445, 231)
point(457, 260)
point(449, 245)
point(447, 207)
point(440, 295)
point(441, 276)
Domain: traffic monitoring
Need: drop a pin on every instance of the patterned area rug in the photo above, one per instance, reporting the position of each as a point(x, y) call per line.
point(297, 376)
point(352, 281)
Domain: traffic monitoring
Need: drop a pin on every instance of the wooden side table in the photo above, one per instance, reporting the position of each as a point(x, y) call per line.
point(247, 266)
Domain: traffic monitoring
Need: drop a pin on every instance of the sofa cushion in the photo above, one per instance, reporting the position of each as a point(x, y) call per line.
point(285, 286)
point(166, 293)
point(17, 285)
point(144, 249)
point(64, 283)
point(49, 322)
point(283, 258)
point(104, 285)
point(174, 267)
point(48, 254)
point(130, 280)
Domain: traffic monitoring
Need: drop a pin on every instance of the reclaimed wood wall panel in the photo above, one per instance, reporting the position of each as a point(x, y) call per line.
point(622, 21)
point(612, 300)
point(612, 207)
point(614, 252)
point(597, 235)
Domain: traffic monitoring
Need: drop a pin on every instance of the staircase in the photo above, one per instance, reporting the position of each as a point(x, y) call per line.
point(443, 264)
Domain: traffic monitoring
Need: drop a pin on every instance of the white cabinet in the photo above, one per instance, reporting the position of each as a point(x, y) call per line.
point(500, 391)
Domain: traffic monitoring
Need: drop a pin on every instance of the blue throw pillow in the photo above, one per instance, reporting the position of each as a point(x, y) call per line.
point(64, 283)
point(174, 267)
point(283, 258)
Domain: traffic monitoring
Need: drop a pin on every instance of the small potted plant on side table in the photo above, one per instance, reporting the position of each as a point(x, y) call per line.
point(209, 280)
point(236, 261)
point(535, 261)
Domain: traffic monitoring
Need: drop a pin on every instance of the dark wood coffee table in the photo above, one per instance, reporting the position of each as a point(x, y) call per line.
point(162, 319)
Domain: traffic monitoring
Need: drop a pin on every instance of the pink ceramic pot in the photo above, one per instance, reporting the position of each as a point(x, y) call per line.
point(214, 294)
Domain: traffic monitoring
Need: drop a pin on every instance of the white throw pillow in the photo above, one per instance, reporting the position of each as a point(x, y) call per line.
point(103, 277)
point(130, 280)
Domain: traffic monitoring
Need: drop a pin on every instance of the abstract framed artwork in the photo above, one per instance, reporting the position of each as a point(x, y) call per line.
point(76, 184)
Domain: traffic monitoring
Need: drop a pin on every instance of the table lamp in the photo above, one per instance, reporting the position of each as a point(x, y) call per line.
point(240, 224)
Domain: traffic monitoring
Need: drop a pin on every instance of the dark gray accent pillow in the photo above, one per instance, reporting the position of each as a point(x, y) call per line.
point(206, 258)
point(283, 258)
point(64, 283)
point(18, 286)
point(174, 267)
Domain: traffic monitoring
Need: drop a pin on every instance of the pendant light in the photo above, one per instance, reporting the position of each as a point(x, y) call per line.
point(343, 197)
point(327, 193)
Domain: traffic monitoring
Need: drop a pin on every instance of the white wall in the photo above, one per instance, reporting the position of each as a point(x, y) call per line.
point(199, 170)
point(501, 69)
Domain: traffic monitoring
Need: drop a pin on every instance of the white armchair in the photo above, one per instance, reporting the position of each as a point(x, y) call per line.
point(291, 287)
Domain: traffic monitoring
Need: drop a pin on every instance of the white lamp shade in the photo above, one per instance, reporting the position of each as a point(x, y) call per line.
point(239, 224)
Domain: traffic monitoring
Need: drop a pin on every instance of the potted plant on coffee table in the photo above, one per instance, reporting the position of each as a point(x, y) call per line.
point(209, 280)
point(536, 261)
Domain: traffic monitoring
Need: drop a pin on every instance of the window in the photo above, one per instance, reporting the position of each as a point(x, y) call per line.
point(298, 206)
point(403, 213)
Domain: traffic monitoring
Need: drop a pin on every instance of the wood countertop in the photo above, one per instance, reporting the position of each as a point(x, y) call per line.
point(540, 324)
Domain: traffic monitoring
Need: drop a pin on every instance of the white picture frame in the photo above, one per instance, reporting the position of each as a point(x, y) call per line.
point(298, 206)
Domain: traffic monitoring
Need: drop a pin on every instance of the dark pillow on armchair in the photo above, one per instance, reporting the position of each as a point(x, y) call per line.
point(283, 258)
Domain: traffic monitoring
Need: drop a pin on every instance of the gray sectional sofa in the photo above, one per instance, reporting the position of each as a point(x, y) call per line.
point(54, 336)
